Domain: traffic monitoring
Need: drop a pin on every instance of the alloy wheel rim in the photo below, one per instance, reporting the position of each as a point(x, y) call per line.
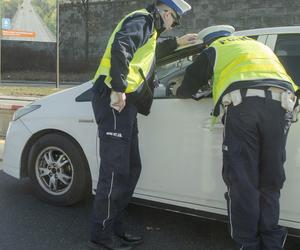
point(54, 171)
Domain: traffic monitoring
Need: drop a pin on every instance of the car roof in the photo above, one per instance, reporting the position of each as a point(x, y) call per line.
point(259, 32)
point(198, 46)
point(268, 31)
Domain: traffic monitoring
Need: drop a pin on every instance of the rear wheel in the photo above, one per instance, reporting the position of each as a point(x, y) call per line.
point(58, 170)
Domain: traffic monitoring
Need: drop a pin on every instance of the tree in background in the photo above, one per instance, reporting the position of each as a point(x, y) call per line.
point(10, 7)
point(47, 11)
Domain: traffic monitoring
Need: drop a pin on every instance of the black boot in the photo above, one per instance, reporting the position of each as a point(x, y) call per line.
point(131, 239)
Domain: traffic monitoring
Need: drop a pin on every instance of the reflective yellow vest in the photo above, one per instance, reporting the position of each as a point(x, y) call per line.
point(143, 59)
point(242, 59)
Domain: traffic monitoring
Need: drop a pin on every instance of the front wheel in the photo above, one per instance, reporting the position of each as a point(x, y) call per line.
point(58, 170)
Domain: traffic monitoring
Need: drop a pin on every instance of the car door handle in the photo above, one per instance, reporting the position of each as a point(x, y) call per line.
point(83, 120)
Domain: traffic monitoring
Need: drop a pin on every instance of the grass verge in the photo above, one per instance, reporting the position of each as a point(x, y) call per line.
point(27, 91)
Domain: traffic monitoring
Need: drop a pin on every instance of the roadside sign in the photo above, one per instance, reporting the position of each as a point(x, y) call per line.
point(6, 23)
point(18, 33)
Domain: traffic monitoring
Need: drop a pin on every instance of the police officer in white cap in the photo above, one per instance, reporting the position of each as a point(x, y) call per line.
point(258, 98)
point(123, 87)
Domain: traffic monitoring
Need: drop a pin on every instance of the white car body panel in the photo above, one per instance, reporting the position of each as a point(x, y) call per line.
point(13, 148)
point(73, 118)
point(262, 39)
point(269, 31)
point(290, 204)
point(190, 175)
point(181, 154)
point(55, 113)
point(171, 159)
point(271, 41)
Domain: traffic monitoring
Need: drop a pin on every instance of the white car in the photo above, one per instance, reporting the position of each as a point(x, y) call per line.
point(54, 141)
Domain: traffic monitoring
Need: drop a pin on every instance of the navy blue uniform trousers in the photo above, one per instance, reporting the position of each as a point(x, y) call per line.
point(255, 134)
point(120, 163)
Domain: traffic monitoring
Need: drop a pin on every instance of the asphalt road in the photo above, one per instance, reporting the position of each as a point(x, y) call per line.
point(28, 224)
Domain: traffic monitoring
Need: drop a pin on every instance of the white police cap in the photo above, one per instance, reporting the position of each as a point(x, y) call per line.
point(179, 6)
point(210, 33)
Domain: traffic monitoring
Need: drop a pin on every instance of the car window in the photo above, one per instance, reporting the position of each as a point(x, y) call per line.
point(166, 70)
point(288, 51)
point(171, 74)
point(166, 74)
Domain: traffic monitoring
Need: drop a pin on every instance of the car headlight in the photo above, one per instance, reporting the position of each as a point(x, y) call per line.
point(24, 111)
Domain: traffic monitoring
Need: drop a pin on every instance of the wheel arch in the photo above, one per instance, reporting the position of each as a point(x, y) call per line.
point(36, 136)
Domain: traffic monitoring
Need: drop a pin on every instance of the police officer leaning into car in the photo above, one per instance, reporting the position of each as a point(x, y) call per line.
point(258, 98)
point(123, 87)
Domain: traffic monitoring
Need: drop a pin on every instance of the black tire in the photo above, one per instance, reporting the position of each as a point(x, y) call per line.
point(58, 170)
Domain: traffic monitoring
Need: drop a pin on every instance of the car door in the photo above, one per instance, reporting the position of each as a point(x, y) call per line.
point(180, 151)
point(287, 48)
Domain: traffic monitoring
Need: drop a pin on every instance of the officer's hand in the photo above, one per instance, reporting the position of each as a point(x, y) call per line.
point(117, 100)
point(187, 39)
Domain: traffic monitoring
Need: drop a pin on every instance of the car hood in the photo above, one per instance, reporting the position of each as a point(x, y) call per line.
point(64, 95)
